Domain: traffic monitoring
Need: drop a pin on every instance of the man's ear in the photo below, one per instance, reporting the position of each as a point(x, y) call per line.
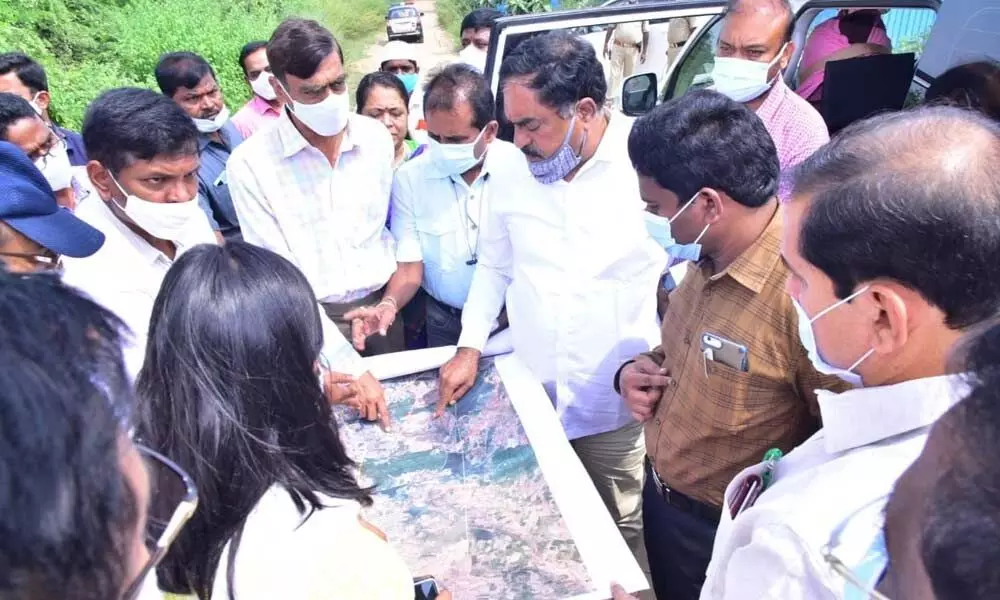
point(101, 179)
point(786, 56)
point(42, 100)
point(712, 204)
point(890, 317)
point(587, 110)
point(492, 129)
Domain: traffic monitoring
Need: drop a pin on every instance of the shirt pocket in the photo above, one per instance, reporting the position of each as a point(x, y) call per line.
point(439, 242)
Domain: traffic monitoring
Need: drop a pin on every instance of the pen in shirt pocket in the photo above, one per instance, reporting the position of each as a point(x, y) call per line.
point(754, 485)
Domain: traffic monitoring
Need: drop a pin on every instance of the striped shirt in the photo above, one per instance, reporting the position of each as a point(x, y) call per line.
point(796, 127)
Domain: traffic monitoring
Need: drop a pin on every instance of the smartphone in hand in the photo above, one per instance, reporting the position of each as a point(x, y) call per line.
point(425, 588)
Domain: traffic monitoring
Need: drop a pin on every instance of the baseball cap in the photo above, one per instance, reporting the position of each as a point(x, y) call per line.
point(28, 204)
point(397, 50)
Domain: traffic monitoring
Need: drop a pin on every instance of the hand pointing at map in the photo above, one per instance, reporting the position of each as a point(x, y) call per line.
point(457, 377)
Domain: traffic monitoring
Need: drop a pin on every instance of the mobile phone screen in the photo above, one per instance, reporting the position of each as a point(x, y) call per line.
point(425, 589)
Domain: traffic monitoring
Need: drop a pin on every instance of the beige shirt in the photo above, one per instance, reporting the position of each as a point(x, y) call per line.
point(630, 33)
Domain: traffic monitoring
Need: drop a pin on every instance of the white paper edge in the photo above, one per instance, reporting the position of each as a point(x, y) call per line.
point(604, 552)
point(397, 364)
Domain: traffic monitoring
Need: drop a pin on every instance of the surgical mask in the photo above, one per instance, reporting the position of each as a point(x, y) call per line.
point(409, 81)
point(215, 123)
point(34, 104)
point(743, 80)
point(659, 229)
point(561, 163)
point(869, 570)
point(163, 220)
point(56, 168)
point(808, 338)
point(328, 117)
point(473, 56)
point(454, 159)
point(262, 86)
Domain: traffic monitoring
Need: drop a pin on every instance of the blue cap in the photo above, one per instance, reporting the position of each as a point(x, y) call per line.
point(28, 204)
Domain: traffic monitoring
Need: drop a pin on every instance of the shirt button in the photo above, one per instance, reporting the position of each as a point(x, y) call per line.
point(687, 340)
point(658, 422)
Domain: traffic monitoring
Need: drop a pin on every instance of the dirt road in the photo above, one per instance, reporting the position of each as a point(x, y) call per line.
point(436, 48)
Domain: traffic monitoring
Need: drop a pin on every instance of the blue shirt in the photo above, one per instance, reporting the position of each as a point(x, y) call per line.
point(213, 186)
point(74, 146)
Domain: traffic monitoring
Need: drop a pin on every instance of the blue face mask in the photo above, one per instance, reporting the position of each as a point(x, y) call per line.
point(561, 163)
point(659, 229)
point(869, 571)
point(409, 81)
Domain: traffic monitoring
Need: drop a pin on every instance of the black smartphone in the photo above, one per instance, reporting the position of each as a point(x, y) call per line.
point(425, 588)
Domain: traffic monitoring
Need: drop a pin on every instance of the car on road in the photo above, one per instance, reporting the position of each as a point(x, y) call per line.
point(402, 22)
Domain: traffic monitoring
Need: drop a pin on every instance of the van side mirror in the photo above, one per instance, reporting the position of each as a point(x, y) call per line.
point(639, 94)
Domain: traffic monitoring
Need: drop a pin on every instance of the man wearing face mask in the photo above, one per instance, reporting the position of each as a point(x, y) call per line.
point(891, 238)
point(21, 125)
point(144, 164)
point(315, 187)
point(565, 245)
point(400, 59)
point(730, 379)
point(753, 52)
point(23, 76)
point(189, 81)
point(440, 199)
point(35, 232)
point(475, 32)
point(264, 106)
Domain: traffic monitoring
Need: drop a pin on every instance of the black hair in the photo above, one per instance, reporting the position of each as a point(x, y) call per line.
point(129, 124)
point(13, 108)
point(236, 401)
point(31, 74)
point(561, 67)
point(379, 79)
point(177, 70)
point(247, 51)
point(68, 514)
point(481, 18)
point(913, 197)
point(704, 139)
point(784, 5)
point(460, 82)
point(973, 85)
point(960, 533)
point(297, 47)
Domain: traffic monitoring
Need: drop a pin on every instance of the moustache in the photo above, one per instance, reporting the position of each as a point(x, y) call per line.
point(532, 152)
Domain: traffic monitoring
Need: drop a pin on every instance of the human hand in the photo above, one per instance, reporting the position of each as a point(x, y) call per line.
point(617, 593)
point(642, 55)
point(456, 378)
point(607, 51)
point(444, 595)
point(366, 320)
point(642, 383)
point(372, 400)
point(340, 389)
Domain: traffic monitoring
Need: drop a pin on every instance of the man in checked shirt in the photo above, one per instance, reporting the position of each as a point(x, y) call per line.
point(730, 379)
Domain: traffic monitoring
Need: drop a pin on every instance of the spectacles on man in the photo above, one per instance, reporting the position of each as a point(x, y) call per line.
point(862, 579)
point(56, 142)
point(173, 499)
point(46, 259)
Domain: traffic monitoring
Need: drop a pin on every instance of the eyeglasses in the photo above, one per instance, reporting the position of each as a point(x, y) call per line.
point(173, 499)
point(46, 259)
point(55, 143)
point(862, 579)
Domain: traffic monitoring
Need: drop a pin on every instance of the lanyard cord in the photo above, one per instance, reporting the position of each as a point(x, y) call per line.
point(466, 218)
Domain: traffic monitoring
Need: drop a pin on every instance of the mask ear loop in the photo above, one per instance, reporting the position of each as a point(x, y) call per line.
point(120, 189)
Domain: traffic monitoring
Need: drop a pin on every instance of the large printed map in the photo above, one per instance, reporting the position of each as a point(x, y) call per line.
point(462, 497)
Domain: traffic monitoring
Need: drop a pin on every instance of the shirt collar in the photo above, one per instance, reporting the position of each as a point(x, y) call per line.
point(614, 143)
point(753, 268)
point(226, 134)
point(292, 142)
point(261, 107)
point(769, 108)
point(864, 416)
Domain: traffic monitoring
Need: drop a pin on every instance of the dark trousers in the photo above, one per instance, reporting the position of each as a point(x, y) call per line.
point(678, 543)
point(444, 324)
point(376, 344)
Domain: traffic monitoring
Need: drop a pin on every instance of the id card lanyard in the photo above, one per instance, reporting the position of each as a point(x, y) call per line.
point(466, 217)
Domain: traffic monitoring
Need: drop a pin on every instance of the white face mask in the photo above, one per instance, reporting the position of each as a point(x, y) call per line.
point(163, 220)
point(215, 123)
point(808, 339)
point(328, 117)
point(262, 86)
point(473, 56)
point(56, 168)
point(454, 159)
point(34, 104)
point(743, 80)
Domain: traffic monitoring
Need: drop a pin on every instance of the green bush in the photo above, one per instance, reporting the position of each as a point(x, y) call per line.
point(88, 46)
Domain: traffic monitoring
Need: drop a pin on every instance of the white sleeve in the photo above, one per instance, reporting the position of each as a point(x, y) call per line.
point(775, 565)
point(403, 223)
point(260, 227)
point(489, 282)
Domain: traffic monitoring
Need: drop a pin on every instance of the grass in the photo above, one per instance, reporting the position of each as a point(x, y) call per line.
point(88, 46)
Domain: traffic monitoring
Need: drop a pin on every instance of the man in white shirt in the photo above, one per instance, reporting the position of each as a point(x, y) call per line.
point(566, 244)
point(315, 186)
point(143, 152)
point(891, 238)
point(440, 200)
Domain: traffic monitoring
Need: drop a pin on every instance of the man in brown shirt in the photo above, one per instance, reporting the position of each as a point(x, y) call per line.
point(730, 379)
